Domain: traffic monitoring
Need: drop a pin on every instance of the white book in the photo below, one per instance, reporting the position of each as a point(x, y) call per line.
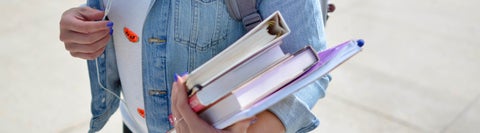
point(262, 85)
point(235, 77)
point(260, 38)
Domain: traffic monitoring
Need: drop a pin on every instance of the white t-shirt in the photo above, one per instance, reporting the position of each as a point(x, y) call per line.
point(130, 15)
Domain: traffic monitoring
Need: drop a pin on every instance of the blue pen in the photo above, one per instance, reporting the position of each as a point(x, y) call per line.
point(360, 42)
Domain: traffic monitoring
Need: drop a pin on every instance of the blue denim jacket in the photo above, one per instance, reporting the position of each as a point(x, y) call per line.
point(180, 35)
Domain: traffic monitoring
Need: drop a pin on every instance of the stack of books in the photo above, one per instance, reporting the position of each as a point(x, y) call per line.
point(254, 73)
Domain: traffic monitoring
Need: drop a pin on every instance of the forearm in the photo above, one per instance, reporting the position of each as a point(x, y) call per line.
point(293, 112)
point(267, 122)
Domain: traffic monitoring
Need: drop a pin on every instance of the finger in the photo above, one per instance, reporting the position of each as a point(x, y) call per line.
point(179, 123)
point(181, 95)
point(87, 48)
point(87, 26)
point(181, 89)
point(175, 113)
point(175, 98)
point(88, 56)
point(83, 20)
point(178, 85)
point(241, 126)
point(194, 122)
point(91, 14)
point(81, 38)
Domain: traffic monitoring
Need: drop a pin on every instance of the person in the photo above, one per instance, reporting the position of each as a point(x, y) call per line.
point(177, 36)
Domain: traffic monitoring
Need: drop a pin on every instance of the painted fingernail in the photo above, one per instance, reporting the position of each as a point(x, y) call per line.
point(170, 118)
point(253, 121)
point(110, 24)
point(176, 77)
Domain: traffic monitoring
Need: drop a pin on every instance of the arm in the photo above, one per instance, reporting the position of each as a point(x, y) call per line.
point(87, 38)
point(266, 122)
point(305, 21)
point(307, 29)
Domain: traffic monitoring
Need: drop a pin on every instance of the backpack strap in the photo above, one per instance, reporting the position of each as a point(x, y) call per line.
point(246, 11)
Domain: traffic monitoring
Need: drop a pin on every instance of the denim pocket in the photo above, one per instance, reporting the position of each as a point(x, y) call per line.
point(200, 24)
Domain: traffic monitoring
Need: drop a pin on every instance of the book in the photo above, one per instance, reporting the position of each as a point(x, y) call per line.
point(235, 77)
point(262, 85)
point(251, 95)
point(262, 37)
point(208, 76)
point(329, 60)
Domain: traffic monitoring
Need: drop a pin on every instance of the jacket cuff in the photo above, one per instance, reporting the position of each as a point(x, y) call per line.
point(294, 111)
point(295, 115)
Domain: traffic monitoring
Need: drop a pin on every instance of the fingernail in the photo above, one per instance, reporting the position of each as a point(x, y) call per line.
point(253, 121)
point(170, 118)
point(176, 77)
point(110, 24)
point(111, 31)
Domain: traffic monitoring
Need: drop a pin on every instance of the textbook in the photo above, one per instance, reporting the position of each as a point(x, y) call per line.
point(329, 60)
point(236, 77)
point(262, 85)
point(263, 37)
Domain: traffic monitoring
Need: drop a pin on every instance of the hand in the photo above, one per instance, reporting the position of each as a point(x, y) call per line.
point(83, 34)
point(187, 121)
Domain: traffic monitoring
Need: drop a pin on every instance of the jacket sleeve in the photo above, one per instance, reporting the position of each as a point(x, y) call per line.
point(304, 17)
point(104, 80)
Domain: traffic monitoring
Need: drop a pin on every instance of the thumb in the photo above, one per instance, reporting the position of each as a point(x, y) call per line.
point(241, 126)
point(90, 14)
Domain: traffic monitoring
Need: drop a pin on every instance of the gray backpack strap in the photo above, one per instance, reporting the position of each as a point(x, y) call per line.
point(323, 6)
point(245, 10)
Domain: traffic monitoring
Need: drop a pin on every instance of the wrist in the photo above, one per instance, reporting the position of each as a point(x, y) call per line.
point(267, 122)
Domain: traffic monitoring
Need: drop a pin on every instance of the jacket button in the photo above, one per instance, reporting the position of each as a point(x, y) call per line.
point(156, 92)
point(156, 40)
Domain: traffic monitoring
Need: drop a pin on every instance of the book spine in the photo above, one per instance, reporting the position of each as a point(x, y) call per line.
point(195, 104)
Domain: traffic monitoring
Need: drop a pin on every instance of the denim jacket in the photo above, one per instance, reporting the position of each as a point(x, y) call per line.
point(180, 35)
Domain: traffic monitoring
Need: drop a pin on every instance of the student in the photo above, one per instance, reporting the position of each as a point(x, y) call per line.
point(177, 36)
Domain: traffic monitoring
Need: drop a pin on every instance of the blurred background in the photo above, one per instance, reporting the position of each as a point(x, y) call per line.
point(418, 72)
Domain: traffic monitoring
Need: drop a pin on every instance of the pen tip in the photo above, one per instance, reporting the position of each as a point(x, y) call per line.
point(360, 42)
